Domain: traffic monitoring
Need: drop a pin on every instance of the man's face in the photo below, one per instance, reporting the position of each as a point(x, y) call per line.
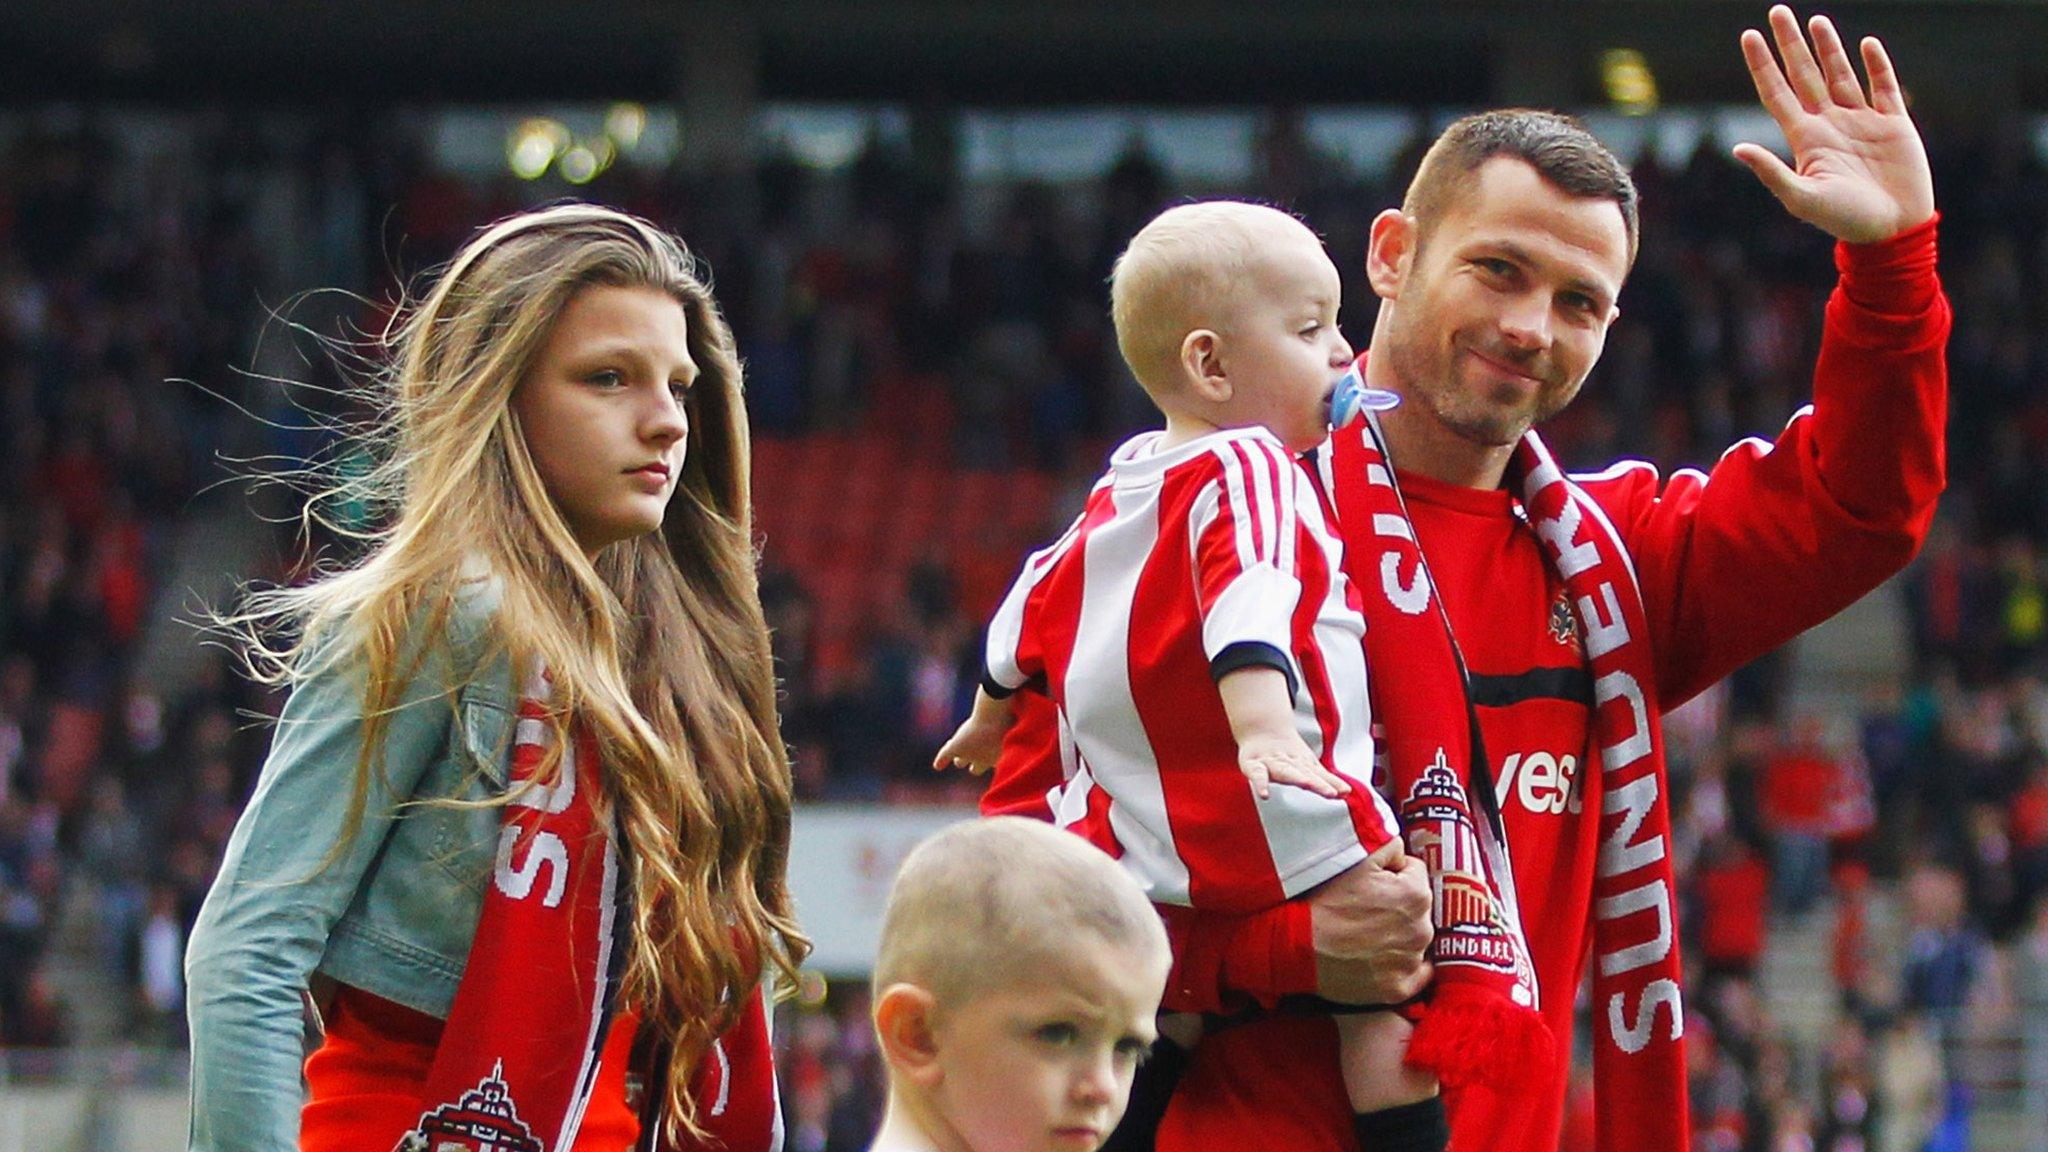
point(1494, 318)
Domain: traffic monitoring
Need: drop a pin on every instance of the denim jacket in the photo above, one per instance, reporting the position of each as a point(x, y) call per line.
point(392, 913)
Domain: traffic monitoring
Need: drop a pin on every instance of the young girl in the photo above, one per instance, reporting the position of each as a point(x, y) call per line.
point(522, 832)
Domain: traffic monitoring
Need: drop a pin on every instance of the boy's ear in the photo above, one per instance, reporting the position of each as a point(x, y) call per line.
point(903, 1026)
point(1201, 365)
point(1390, 253)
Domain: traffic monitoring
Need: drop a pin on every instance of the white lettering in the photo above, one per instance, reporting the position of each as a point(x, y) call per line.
point(1603, 634)
point(1539, 779)
point(1619, 854)
point(1651, 897)
point(1542, 782)
point(1622, 686)
point(517, 882)
point(1633, 1037)
point(549, 798)
point(1572, 559)
point(1411, 598)
point(724, 1077)
point(1504, 783)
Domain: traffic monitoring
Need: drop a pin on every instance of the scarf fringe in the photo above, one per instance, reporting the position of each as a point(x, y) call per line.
point(1472, 1037)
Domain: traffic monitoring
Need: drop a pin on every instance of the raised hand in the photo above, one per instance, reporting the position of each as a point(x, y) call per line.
point(1859, 170)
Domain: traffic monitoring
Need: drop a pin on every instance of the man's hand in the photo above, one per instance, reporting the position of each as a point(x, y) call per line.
point(1371, 928)
point(1859, 171)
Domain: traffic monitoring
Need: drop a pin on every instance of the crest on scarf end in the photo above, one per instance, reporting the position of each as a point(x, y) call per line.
point(1471, 927)
point(484, 1120)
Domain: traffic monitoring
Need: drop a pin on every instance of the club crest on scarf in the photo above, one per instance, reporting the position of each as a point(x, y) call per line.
point(1471, 927)
point(484, 1120)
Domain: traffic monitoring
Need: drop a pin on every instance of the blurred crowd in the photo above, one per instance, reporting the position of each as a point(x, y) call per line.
point(149, 338)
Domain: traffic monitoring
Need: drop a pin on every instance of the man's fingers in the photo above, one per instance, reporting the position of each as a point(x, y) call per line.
point(1801, 70)
point(1389, 856)
point(1843, 86)
point(1775, 174)
point(1777, 96)
point(1885, 93)
point(1411, 983)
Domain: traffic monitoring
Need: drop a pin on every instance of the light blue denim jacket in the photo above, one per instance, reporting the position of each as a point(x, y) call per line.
point(392, 914)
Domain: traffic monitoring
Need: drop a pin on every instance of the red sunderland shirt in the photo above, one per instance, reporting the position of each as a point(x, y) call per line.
point(1777, 538)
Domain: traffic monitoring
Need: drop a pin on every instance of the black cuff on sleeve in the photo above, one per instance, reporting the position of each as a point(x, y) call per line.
point(995, 690)
point(1249, 653)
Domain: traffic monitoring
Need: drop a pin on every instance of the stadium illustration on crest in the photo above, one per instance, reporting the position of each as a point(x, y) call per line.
point(1469, 927)
point(484, 1120)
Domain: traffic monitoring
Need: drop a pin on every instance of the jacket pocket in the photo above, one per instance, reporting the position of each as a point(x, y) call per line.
point(461, 814)
point(485, 739)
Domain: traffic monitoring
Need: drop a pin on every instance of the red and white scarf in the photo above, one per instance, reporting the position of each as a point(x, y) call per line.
point(519, 1053)
point(1482, 1030)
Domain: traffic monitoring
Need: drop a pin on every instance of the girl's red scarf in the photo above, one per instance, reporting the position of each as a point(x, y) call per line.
point(1482, 1030)
point(519, 1054)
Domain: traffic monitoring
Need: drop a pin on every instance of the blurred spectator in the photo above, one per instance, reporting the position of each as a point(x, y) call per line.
point(1944, 953)
point(1733, 885)
point(1798, 782)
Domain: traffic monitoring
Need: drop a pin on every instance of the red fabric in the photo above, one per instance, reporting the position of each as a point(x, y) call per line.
point(2030, 817)
point(1783, 537)
point(521, 1039)
point(364, 1082)
point(1482, 1026)
point(1795, 791)
point(1734, 896)
point(1184, 561)
point(734, 1090)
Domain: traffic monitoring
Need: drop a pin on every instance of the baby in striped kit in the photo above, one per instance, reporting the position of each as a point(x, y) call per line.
point(1194, 626)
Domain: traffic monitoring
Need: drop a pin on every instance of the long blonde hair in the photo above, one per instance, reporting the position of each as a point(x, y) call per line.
point(658, 645)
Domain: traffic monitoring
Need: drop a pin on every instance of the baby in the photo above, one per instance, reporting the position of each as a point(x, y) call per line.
point(1195, 627)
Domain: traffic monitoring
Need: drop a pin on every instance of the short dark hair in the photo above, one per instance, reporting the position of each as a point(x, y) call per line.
point(1557, 146)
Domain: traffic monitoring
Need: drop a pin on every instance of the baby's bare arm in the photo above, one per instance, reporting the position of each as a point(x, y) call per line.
point(1269, 750)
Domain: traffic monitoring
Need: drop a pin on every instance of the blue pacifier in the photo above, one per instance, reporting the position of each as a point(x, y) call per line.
point(1350, 398)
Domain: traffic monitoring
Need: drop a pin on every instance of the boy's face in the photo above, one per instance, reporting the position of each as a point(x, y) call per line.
point(1045, 1065)
point(1281, 348)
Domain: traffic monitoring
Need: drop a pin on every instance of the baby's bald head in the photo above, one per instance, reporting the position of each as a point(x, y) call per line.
point(1191, 268)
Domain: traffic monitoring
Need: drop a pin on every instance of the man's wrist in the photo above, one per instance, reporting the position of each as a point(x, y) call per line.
point(1895, 276)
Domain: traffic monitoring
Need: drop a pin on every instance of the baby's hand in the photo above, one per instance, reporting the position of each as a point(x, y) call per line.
point(974, 747)
point(1286, 759)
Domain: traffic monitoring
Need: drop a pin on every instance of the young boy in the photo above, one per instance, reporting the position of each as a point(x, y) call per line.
point(1019, 974)
point(1194, 625)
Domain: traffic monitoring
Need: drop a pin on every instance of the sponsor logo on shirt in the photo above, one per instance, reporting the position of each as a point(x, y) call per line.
point(1543, 784)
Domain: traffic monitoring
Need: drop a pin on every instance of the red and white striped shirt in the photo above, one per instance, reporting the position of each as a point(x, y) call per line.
point(1184, 565)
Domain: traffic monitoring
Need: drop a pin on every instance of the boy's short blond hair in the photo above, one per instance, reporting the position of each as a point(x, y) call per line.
point(983, 903)
point(1183, 271)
